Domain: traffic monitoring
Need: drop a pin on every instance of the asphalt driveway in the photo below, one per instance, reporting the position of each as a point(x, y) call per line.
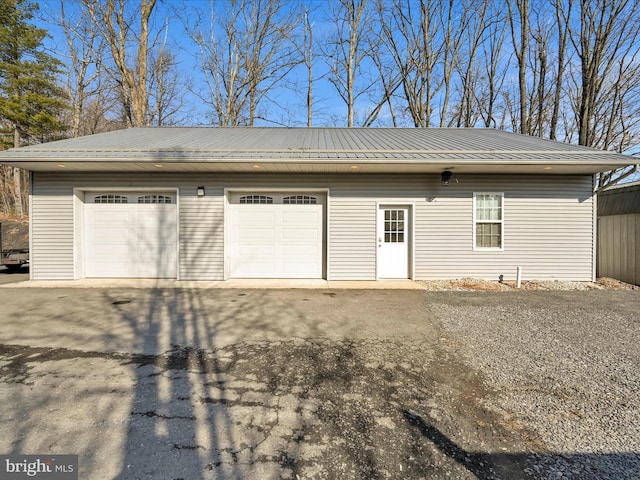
point(198, 384)
point(10, 276)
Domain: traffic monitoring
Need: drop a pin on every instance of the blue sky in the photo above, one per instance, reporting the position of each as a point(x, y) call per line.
point(329, 110)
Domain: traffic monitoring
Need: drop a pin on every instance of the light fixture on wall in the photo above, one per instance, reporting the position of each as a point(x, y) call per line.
point(446, 177)
point(201, 191)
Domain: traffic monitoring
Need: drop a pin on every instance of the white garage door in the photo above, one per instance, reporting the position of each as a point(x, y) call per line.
point(276, 235)
point(130, 235)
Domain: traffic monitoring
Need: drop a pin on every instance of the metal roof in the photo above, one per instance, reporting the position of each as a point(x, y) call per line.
point(375, 150)
point(620, 199)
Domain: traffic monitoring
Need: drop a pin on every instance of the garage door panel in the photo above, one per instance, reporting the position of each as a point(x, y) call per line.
point(252, 251)
point(154, 236)
point(120, 215)
point(293, 235)
point(102, 236)
point(309, 270)
point(258, 235)
point(301, 251)
point(262, 215)
point(114, 268)
point(251, 269)
point(302, 217)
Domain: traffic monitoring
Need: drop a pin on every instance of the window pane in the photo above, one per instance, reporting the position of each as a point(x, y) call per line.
point(394, 214)
point(489, 235)
point(401, 238)
point(488, 207)
point(387, 215)
point(387, 237)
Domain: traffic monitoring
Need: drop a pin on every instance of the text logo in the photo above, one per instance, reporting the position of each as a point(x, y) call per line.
point(49, 467)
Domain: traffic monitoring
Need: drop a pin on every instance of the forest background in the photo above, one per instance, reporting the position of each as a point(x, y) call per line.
point(566, 70)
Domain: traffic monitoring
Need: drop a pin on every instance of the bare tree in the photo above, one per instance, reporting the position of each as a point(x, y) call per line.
point(539, 95)
point(245, 53)
point(454, 25)
point(496, 69)
point(408, 35)
point(85, 50)
point(467, 110)
point(346, 51)
point(562, 15)
point(166, 85)
point(519, 24)
point(606, 42)
point(605, 37)
point(117, 26)
point(307, 58)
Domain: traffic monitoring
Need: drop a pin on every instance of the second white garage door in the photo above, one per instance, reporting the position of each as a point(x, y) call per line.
point(276, 235)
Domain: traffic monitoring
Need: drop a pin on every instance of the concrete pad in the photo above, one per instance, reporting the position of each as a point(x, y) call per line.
point(130, 283)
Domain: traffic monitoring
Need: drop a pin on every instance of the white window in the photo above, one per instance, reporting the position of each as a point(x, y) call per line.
point(110, 199)
point(488, 221)
point(154, 199)
point(299, 200)
point(256, 199)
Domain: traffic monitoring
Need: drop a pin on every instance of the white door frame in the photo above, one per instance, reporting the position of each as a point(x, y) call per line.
point(410, 206)
point(250, 189)
point(78, 221)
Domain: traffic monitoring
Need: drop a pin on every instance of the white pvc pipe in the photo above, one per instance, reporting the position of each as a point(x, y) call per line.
point(518, 277)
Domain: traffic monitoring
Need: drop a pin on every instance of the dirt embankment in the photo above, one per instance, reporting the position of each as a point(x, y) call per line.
point(15, 232)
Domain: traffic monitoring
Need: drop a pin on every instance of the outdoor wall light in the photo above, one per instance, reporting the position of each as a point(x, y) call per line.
point(201, 191)
point(446, 177)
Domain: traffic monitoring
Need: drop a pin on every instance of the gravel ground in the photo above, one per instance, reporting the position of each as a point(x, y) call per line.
point(570, 375)
point(473, 284)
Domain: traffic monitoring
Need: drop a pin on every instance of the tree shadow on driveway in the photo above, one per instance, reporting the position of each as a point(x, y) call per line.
point(264, 384)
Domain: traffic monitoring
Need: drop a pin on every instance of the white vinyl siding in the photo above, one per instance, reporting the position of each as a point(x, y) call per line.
point(548, 229)
point(52, 251)
point(201, 234)
point(549, 221)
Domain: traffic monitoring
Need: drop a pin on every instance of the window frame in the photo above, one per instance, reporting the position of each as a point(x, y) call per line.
point(155, 197)
point(250, 198)
point(304, 199)
point(122, 199)
point(500, 222)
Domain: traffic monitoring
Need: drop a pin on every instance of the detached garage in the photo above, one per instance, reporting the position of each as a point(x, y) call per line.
point(333, 203)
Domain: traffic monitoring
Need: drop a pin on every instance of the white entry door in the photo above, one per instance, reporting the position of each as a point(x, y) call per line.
point(393, 242)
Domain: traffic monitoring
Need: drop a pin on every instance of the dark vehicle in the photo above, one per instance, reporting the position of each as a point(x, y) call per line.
point(12, 258)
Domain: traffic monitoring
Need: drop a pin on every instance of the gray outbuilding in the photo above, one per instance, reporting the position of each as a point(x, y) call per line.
point(619, 232)
point(206, 203)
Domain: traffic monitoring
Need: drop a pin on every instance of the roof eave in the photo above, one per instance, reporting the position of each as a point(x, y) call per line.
point(317, 165)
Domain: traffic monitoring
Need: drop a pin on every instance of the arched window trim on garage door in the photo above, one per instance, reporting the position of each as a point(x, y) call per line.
point(154, 199)
point(249, 199)
point(299, 200)
point(111, 199)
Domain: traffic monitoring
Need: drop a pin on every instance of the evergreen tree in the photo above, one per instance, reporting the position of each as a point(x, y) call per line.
point(30, 99)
